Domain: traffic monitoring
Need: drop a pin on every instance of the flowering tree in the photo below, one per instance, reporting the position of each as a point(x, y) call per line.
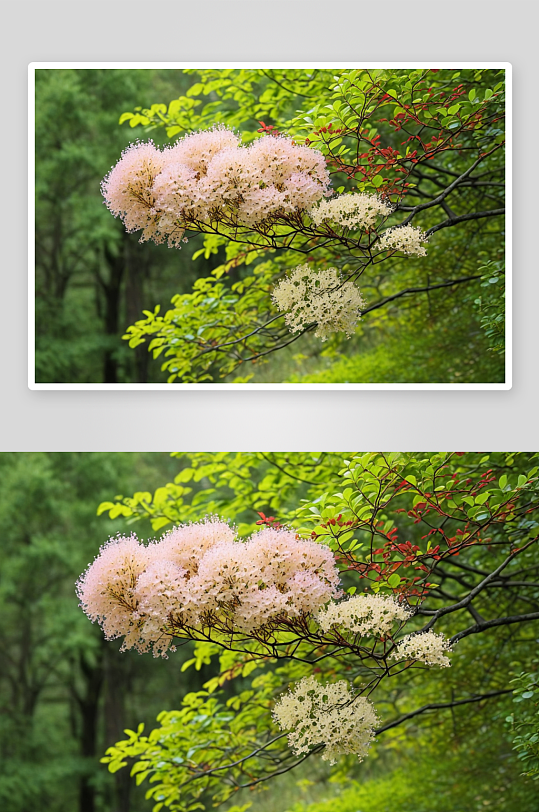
point(318, 213)
point(343, 600)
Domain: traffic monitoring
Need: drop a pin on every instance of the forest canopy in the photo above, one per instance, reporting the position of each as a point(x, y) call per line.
point(333, 225)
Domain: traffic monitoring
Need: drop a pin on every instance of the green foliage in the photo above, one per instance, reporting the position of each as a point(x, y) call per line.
point(238, 98)
point(64, 694)
point(195, 336)
point(207, 734)
point(92, 278)
point(408, 350)
point(491, 304)
point(235, 486)
point(525, 721)
point(469, 775)
point(385, 516)
point(338, 99)
point(213, 332)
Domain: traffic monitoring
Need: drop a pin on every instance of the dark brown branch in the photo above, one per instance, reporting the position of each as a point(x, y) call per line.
point(287, 769)
point(438, 200)
point(388, 299)
point(441, 706)
point(462, 604)
point(389, 726)
point(276, 465)
point(232, 764)
point(461, 218)
point(279, 346)
point(481, 626)
point(292, 92)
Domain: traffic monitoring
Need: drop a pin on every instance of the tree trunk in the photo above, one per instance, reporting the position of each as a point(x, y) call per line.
point(89, 712)
point(117, 667)
point(112, 293)
point(138, 270)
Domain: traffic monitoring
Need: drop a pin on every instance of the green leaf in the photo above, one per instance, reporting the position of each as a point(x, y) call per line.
point(120, 510)
point(160, 522)
point(139, 767)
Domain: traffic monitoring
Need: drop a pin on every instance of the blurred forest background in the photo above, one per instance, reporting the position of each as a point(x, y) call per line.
point(93, 280)
point(66, 694)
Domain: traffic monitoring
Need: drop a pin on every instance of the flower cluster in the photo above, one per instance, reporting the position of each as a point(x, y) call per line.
point(364, 614)
point(356, 210)
point(321, 298)
point(199, 575)
point(426, 647)
point(107, 588)
point(407, 239)
point(329, 714)
point(210, 176)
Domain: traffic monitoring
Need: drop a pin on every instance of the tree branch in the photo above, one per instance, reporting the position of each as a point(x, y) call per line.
point(461, 218)
point(462, 604)
point(440, 706)
point(480, 626)
point(438, 200)
point(407, 291)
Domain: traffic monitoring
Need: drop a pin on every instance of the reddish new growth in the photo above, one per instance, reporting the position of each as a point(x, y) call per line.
point(269, 521)
point(411, 562)
point(337, 521)
point(425, 121)
point(268, 129)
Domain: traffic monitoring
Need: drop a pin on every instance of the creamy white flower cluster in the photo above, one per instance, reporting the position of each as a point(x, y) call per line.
point(318, 297)
point(407, 239)
point(356, 210)
point(329, 714)
point(364, 614)
point(426, 647)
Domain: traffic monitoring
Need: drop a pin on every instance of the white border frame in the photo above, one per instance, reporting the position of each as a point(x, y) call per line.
point(33, 66)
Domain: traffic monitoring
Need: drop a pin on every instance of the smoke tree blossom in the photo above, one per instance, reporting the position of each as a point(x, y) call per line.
point(356, 210)
point(200, 576)
point(210, 176)
point(364, 614)
point(107, 588)
point(426, 647)
point(329, 714)
point(407, 239)
point(322, 297)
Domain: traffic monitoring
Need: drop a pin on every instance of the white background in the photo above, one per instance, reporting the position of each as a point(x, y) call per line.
point(260, 30)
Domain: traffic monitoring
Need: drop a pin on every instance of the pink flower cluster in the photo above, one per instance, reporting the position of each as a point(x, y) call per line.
point(209, 176)
point(198, 576)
